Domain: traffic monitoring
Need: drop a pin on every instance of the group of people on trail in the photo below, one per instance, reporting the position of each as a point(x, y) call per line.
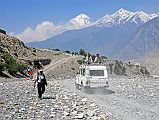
point(92, 59)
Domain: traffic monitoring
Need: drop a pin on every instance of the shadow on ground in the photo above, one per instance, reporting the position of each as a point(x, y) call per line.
point(48, 97)
point(100, 91)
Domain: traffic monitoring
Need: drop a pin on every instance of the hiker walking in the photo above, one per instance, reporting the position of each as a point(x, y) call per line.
point(41, 82)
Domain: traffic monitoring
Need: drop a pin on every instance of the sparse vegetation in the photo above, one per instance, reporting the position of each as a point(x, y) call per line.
point(56, 49)
point(82, 52)
point(119, 69)
point(104, 57)
point(67, 51)
point(80, 61)
point(111, 68)
point(10, 64)
point(2, 66)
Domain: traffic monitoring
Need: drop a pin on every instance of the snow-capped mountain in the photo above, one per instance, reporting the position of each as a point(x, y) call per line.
point(109, 35)
point(81, 20)
point(123, 16)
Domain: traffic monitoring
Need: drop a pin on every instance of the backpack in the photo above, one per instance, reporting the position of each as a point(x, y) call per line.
point(41, 78)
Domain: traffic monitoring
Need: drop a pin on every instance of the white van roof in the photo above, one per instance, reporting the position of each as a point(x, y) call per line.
point(93, 66)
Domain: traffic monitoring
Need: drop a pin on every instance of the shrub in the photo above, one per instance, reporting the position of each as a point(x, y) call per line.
point(2, 66)
point(119, 69)
point(111, 68)
point(80, 61)
point(104, 57)
point(67, 51)
point(82, 52)
point(12, 65)
point(56, 49)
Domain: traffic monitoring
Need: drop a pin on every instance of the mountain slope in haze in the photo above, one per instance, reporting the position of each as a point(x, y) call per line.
point(108, 35)
point(144, 41)
point(94, 40)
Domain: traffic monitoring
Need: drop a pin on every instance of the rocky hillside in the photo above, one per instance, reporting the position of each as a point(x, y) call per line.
point(17, 48)
point(69, 68)
point(151, 61)
point(14, 54)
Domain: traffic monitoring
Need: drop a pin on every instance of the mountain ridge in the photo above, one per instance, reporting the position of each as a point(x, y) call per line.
point(122, 17)
point(108, 40)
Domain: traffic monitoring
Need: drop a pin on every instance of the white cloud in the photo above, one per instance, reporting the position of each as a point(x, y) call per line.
point(47, 29)
point(42, 31)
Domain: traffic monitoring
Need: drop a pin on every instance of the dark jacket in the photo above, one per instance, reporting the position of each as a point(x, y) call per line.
point(43, 80)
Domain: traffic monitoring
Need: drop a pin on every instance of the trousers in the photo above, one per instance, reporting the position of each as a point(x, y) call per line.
point(41, 89)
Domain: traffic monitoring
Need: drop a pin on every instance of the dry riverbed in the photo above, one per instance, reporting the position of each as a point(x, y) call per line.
point(125, 99)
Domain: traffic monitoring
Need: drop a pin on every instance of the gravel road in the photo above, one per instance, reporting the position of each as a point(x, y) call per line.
point(126, 99)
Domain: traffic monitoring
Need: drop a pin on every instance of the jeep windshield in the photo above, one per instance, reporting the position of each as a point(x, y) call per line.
point(96, 72)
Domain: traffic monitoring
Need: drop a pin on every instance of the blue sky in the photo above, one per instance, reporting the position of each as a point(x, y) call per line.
point(16, 15)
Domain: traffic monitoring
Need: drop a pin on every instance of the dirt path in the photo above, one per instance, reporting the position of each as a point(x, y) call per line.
point(132, 100)
point(57, 63)
point(120, 105)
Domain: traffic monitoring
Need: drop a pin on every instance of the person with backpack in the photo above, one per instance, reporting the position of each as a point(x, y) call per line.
point(41, 82)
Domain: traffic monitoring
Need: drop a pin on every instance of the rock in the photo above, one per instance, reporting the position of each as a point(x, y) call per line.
point(52, 116)
point(79, 116)
point(94, 118)
point(66, 113)
point(84, 100)
point(92, 105)
point(90, 113)
point(41, 111)
point(1, 83)
point(22, 109)
point(101, 117)
point(74, 113)
point(1, 103)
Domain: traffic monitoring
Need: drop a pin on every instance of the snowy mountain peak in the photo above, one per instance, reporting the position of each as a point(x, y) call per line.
point(81, 20)
point(82, 16)
point(123, 16)
point(122, 11)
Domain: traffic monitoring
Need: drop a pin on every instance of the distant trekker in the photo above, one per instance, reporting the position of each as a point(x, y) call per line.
point(41, 82)
point(97, 59)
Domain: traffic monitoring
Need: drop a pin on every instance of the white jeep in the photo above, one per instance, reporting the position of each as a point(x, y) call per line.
point(91, 76)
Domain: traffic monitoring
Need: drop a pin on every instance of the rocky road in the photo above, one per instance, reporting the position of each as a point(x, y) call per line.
point(126, 99)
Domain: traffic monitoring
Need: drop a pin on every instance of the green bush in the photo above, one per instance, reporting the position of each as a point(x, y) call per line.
point(12, 65)
point(2, 66)
point(82, 52)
